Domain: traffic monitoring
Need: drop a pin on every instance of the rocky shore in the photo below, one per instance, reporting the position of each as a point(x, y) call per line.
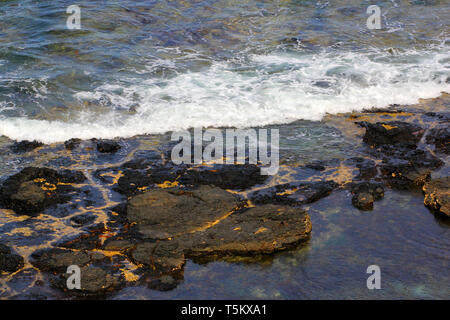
point(126, 215)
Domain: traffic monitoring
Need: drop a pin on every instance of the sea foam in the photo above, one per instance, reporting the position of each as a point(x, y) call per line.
point(254, 90)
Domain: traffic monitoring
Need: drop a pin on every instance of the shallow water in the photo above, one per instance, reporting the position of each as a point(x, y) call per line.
point(400, 236)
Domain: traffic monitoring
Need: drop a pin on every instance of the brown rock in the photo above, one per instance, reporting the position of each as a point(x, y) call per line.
point(174, 211)
point(437, 195)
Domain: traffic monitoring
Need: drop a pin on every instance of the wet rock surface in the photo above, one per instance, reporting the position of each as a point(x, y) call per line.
point(72, 144)
point(25, 146)
point(98, 277)
point(34, 189)
point(175, 211)
point(138, 218)
point(440, 138)
point(9, 261)
point(437, 195)
point(382, 133)
point(257, 230)
point(365, 193)
point(293, 193)
point(108, 146)
point(238, 177)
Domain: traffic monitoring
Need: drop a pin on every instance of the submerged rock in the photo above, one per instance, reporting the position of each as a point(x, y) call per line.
point(97, 277)
point(437, 195)
point(407, 169)
point(367, 167)
point(440, 138)
point(365, 193)
point(9, 261)
point(34, 189)
point(382, 133)
point(294, 193)
point(162, 257)
point(58, 260)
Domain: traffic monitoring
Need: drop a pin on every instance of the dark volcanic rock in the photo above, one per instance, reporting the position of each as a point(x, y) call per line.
point(394, 132)
point(174, 211)
point(9, 261)
point(34, 189)
point(96, 275)
point(293, 193)
point(95, 281)
point(163, 283)
point(440, 137)
point(437, 195)
point(108, 147)
point(82, 219)
point(177, 224)
point(367, 167)
point(133, 182)
point(58, 260)
point(257, 230)
point(363, 201)
point(72, 144)
point(25, 146)
point(405, 169)
point(236, 177)
point(365, 193)
point(162, 257)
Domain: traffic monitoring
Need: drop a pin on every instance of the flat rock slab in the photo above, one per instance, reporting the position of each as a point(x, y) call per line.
point(207, 222)
point(437, 195)
point(258, 230)
point(174, 211)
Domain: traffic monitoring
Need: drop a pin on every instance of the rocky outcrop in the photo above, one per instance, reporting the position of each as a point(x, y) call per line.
point(382, 133)
point(34, 189)
point(133, 182)
point(407, 169)
point(177, 224)
point(437, 195)
point(25, 146)
point(9, 261)
point(235, 177)
point(365, 193)
point(108, 147)
point(440, 138)
point(166, 213)
point(72, 144)
point(97, 274)
point(293, 193)
point(258, 230)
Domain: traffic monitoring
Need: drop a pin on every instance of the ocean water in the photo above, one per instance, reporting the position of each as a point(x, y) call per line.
point(145, 67)
point(149, 67)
